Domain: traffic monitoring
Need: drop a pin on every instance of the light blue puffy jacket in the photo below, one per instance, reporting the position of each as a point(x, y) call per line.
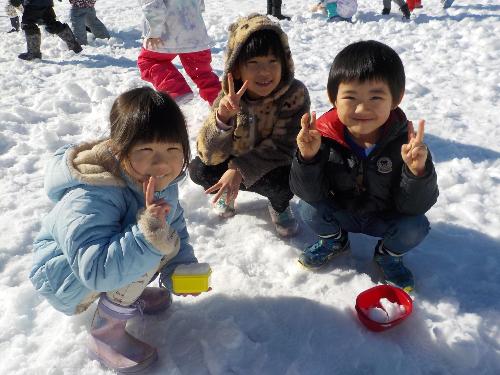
point(98, 237)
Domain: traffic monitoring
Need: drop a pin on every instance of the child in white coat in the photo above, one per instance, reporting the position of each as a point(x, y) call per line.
point(176, 28)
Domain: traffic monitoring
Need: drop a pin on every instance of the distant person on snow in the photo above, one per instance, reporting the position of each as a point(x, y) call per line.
point(13, 14)
point(83, 16)
point(248, 140)
point(402, 6)
point(274, 9)
point(337, 10)
point(174, 28)
point(117, 223)
point(414, 4)
point(362, 168)
point(41, 12)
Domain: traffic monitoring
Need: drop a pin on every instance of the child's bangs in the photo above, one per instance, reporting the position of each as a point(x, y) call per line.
point(261, 43)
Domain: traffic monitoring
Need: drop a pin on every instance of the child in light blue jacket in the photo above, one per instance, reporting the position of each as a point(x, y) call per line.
point(117, 223)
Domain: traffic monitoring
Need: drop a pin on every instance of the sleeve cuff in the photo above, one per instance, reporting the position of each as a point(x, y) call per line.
point(159, 233)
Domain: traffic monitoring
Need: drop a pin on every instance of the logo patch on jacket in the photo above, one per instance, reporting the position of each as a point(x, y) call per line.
point(384, 165)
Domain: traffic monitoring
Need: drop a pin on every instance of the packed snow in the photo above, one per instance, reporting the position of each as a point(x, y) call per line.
point(388, 312)
point(265, 314)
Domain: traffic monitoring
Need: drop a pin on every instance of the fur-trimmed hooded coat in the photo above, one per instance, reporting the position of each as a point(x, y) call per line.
point(263, 133)
point(98, 236)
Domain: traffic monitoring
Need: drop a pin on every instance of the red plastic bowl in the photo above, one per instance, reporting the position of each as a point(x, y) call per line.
point(370, 298)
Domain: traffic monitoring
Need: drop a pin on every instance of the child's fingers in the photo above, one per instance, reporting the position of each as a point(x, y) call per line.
point(242, 90)
point(411, 131)
point(420, 134)
point(150, 190)
point(304, 121)
point(230, 84)
point(213, 188)
point(312, 124)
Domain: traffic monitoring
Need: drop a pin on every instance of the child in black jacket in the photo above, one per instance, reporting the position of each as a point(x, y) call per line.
point(361, 167)
point(41, 12)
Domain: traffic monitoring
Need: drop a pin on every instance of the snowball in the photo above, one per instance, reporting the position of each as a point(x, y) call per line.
point(389, 312)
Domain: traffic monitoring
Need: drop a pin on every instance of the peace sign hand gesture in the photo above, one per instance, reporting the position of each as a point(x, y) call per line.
point(158, 209)
point(414, 153)
point(229, 105)
point(309, 138)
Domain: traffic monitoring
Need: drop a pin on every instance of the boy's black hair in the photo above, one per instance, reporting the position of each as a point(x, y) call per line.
point(366, 61)
point(262, 43)
point(145, 115)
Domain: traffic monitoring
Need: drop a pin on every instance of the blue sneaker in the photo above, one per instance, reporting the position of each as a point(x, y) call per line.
point(393, 270)
point(320, 253)
point(223, 208)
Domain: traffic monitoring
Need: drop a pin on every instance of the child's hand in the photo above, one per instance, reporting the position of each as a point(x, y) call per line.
point(158, 209)
point(153, 43)
point(309, 138)
point(229, 105)
point(230, 181)
point(414, 153)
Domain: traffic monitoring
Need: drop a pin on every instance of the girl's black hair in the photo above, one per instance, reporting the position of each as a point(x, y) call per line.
point(263, 43)
point(367, 61)
point(145, 115)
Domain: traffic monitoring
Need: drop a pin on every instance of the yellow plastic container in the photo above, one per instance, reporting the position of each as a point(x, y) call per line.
point(191, 278)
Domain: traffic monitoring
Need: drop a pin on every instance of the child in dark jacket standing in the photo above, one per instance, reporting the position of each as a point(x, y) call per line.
point(41, 12)
point(361, 167)
point(249, 139)
point(83, 16)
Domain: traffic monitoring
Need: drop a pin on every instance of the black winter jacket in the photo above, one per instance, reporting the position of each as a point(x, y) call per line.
point(380, 183)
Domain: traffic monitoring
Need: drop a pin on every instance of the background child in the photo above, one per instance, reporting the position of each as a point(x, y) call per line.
point(41, 12)
point(361, 168)
point(176, 28)
point(12, 12)
point(248, 140)
point(116, 224)
point(83, 16)
point(402, 6)
point(274, 9)
point(338, 10)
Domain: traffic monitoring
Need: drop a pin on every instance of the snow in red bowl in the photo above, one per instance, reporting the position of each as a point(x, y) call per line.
point(370, 299)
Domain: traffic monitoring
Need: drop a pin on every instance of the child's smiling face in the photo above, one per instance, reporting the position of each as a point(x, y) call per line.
point(363, 107)
point(163, 160)
point(263, 74)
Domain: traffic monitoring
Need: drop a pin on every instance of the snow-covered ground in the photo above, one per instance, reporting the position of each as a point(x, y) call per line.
point(267, 315)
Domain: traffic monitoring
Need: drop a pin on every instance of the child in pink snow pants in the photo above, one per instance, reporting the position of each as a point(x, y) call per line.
point(176, 28)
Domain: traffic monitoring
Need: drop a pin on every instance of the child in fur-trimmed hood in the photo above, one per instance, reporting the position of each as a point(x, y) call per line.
point(248, 140)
